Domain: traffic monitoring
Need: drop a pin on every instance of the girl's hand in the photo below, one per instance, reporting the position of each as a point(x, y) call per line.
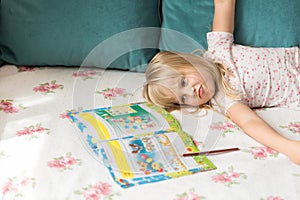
point(293, 152)
point(224, 15)
point(259, 130)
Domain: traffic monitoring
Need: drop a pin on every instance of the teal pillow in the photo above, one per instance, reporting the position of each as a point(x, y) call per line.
point(267, 23)
point(61, 32)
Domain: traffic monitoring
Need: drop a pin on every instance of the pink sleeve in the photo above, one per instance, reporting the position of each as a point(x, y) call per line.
point(219, 50)
point(215, 40)
point(219, 44)
point(222, 103)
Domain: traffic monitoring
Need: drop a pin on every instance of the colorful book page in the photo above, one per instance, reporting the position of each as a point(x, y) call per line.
point(139, 143)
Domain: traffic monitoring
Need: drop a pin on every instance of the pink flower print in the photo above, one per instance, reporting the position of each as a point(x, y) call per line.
point(33, 131)
point(26, 69)
point(262, 152)
point(103, 188)
point(48, 87)
point(63, 163)
point(13, 188)
point(294, 127)
point(65, 115)
point(229, 177)
point(224, 127)
point(9, 188)
point(272, 198)
point(97, 191)
point(259, 154)
point(190, 195)
point(7, 106)
point(222, 178)
point(88, 74)
point(112, 93)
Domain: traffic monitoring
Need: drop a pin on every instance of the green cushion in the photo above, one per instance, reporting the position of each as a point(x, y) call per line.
point(267, 23)
point(61, 32)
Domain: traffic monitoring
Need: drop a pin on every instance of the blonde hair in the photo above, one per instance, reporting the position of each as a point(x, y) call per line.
point(166, 68)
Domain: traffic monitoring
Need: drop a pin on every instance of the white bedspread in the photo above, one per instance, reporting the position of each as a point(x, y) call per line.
point(42, 156)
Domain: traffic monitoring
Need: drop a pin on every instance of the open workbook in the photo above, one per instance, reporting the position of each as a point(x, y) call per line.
point(139, 143)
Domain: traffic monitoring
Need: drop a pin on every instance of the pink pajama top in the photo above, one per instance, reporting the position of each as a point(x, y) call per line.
point(265, 77)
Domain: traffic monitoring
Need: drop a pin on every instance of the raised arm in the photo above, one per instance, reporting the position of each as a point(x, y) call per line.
point(224, 15)
point(259, 130)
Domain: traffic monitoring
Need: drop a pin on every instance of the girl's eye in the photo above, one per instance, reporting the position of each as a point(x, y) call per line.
point(183, 99)
point(183, 82)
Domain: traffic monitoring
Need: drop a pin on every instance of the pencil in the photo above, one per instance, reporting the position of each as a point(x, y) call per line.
point(212, 152)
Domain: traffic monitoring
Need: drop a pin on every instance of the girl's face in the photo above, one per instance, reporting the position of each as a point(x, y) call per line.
point(195, 89)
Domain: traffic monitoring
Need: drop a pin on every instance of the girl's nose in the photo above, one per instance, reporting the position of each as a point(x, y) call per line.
point(190, 90)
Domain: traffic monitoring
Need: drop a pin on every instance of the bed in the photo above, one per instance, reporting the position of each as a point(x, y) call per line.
point(43, 157)
point(86, 55)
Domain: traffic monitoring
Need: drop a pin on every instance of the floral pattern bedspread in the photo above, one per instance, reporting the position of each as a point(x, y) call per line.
point(42, 156)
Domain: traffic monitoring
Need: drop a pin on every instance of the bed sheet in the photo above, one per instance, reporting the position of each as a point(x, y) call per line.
point(42, 156)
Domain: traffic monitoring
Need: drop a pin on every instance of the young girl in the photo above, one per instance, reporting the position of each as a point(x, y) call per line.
point(231, 79)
